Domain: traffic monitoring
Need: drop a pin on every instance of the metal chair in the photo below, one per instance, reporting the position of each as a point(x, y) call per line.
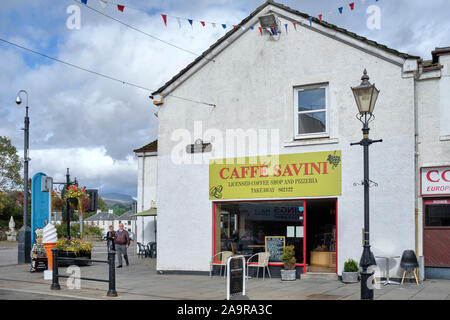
point(263, 262)
point(151, 249)
point(223, 262)
point(141, 250)
point(409, 263)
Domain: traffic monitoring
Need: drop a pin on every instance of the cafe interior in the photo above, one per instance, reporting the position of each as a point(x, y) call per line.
point(245, 228)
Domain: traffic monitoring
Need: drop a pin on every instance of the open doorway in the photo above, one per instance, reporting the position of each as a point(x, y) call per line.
point(321, 245)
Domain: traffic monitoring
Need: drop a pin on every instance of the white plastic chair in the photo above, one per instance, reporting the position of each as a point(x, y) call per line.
point(223, 262)
point(263, 262)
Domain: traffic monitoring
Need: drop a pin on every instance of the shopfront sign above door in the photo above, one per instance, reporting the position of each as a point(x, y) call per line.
point(286, 176)
point(435, 181)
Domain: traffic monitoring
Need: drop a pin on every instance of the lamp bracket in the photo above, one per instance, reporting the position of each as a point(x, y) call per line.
point(370, 183)
point(365, 118)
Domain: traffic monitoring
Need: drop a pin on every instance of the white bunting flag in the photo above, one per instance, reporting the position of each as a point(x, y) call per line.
point(179, 22)
point(103, 4)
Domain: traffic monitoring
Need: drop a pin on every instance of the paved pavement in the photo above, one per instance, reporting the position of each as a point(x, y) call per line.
point(140, 281)
point(8, 253)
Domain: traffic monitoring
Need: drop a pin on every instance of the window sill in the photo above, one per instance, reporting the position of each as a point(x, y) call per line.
point(310, 142)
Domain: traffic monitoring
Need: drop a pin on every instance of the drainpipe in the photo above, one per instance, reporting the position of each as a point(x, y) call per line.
point(416, 184)
point(142, 196)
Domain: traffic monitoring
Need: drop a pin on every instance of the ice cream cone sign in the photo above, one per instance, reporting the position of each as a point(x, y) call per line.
point(50, 237)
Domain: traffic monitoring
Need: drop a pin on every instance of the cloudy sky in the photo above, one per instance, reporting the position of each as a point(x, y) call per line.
point(90, 124)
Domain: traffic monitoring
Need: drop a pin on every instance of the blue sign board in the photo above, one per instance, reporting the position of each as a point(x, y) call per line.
point(40, 205)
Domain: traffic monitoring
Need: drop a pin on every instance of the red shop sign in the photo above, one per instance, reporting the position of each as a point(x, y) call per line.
point(435, 181)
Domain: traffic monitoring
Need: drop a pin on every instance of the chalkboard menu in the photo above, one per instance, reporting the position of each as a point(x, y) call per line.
point(236, 274)
point(275, 246)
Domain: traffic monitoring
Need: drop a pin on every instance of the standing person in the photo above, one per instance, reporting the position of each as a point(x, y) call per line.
point(110, 236)
point(122, 241)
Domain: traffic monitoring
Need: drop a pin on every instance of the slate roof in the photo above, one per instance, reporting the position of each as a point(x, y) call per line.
point(290, 10)
point(126, 216)
point(151, 147)
point(102, 216)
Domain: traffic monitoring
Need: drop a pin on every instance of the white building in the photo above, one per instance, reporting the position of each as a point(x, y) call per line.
point(146, 195)
point(103, 220)
point(293, 89)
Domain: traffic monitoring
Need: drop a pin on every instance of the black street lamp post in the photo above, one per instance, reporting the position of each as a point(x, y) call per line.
point(24, 248)
point(366, 96)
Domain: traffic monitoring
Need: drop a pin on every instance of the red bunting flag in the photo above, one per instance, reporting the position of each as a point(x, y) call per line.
point(164, 16)
point(120, 7)
point(260, 30)
point(203, 23)
point(295, 25)
point(235, 27)
point(352, 5)
point(320, 17)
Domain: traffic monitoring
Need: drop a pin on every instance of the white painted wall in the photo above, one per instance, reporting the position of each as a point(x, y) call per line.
point(147, 180)
point(252, 83)
point(433, 107)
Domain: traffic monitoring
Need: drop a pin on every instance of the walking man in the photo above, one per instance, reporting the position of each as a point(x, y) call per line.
point(122, 241)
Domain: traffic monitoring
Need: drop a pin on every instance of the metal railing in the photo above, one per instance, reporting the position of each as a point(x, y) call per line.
point(112, 272)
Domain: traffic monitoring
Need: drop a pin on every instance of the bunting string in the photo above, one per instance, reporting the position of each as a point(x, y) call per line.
point(350, 6)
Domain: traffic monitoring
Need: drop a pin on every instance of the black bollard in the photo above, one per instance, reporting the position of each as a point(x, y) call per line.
point(112, 274)
point(55, 280)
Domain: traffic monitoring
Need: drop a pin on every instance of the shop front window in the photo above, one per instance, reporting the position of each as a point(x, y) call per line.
point(437, 215)
point(247, 227)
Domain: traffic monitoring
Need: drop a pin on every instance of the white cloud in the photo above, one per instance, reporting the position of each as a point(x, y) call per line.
point(92, 167)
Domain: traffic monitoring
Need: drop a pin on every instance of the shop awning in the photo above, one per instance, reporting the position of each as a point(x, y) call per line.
point(152, 212)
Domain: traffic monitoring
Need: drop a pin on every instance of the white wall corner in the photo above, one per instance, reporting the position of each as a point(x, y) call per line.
point(410, 66)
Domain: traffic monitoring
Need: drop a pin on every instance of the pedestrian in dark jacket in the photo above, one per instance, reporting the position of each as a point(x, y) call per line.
point(122, 242)
point(110, 236)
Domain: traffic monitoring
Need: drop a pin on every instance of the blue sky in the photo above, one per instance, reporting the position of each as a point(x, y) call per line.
point(77, 119)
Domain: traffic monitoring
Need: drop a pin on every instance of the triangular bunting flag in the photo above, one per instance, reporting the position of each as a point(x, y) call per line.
point(295, 25)
point(224, 26)
point(203, 23)
point(191, 21)
point(213, 24)
point(103, 4)
point(320, 17)
point(310, 21)
point(252, 28)
point(179, 23)
point(260, 30)
point(120, 7)
point(352, 5)
point(84, 1)
point(164, 16)
point(341, 9)
point(286, 27)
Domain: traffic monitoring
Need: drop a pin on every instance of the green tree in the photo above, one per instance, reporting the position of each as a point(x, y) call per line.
point(10, 166)
point(102, 204)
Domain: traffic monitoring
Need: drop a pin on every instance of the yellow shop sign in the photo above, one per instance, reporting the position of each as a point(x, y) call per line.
point(284, 176)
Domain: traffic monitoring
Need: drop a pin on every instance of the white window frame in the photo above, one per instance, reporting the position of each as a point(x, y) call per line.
point(296, 113)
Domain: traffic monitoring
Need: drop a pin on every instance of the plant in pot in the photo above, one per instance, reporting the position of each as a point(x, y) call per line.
point(288, 257)
point(74, 248)
point(350, 274)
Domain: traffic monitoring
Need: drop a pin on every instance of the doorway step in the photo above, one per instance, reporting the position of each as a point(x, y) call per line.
point(321, 276)
point(320, 269)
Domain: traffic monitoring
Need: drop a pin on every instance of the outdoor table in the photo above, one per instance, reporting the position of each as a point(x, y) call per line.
point(387, 281)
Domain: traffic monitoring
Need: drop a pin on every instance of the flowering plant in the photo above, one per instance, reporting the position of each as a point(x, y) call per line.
point(74, 245)
point(76, 192)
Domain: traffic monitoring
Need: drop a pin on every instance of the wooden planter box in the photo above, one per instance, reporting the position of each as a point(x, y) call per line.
point(69, 254)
